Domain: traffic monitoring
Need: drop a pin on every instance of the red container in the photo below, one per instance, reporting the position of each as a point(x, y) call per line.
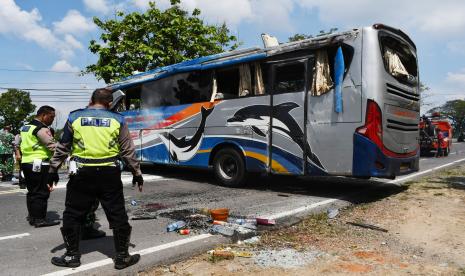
point(184, 231)
point(220, 214)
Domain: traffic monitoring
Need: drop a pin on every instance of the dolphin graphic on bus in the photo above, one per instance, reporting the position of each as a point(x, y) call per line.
point(258, 117)
point(184, 149)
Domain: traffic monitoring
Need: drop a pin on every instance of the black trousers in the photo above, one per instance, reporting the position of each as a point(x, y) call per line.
point(89, 184)
point(37, 191)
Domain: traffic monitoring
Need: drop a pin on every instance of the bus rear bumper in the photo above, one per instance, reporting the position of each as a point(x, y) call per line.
point(369, 160)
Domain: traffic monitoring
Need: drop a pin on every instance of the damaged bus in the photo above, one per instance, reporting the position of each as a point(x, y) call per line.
point(343, 104)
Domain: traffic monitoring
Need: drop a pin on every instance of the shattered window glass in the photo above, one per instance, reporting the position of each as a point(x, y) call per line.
point(399, 59)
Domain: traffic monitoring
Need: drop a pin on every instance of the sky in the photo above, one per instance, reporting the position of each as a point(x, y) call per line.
point(44, 44)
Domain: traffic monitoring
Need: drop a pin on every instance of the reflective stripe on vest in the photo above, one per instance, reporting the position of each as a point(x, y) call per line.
point(95, 138)
point(31, 148)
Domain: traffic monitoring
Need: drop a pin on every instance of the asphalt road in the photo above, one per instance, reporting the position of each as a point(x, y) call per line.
point(27, 251)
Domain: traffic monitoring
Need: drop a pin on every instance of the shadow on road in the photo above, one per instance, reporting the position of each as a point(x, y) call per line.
point(351, 189)
point(103, 245)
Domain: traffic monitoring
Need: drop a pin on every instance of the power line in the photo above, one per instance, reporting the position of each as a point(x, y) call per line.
point(39, 71)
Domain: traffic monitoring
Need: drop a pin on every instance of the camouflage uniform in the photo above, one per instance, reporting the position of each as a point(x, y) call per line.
point(6, 154)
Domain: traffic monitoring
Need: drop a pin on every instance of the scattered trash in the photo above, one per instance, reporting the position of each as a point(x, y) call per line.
point(133, 202)
point(220, 214)
point(286, 258)
point(369, 226)
point(184, 231)
point(242, 221)
point(332, 213)
point(204, 211)
point(252, 240)
point(143, 217)
point(175, 226)
point(243, 254)
point(263, 221)
point(172, 268)
point(223, 230)
point(194, 221)
point(223, 254)
point(384, 243)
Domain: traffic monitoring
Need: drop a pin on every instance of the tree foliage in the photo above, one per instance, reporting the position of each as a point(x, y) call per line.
point(298, 36)
point(143, 41)
point(455, 110)
point(15, 108)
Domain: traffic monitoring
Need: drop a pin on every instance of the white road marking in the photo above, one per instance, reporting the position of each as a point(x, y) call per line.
point(302, 209)
point(426, 171)
point(332, 200)
point(127, 180)
point(18, 236)
point(13, 191)
point(141, 252)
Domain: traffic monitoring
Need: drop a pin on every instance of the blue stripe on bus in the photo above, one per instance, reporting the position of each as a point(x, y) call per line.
point(292, 163)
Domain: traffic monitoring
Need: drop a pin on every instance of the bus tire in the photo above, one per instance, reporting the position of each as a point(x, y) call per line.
point(229, 168)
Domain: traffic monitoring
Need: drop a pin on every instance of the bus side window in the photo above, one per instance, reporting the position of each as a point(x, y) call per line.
point(133, 101)
point(227, 82)
point(192, 87)
point(289, 78)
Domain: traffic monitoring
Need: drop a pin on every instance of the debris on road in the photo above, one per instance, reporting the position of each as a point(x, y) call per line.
point(252, 240)
point(133, 202)
point(144, 217)
point(223, 254)
point(184, 231)
point(332, 213)
point(220, 214)
point(223, 230)
point(264, 221)
point(369, 226)
point(175, 226)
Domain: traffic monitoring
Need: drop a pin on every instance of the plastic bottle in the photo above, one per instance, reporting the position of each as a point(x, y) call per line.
point(242, 221)
point(175, 226)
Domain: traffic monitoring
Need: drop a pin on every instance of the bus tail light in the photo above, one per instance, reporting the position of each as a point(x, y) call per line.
point(373, 128)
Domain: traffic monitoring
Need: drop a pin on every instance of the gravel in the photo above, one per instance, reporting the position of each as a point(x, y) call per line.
point(286, 258)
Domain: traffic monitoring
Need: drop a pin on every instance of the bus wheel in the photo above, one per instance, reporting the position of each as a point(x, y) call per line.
point(229, 168)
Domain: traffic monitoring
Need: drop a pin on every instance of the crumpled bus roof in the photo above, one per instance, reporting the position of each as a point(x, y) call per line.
point(232, 57)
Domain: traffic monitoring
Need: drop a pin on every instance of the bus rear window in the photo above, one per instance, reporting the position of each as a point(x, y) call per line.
point(399, 59)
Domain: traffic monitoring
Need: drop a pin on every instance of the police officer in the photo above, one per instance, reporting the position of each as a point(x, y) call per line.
point(96, 138)
point(36, 144)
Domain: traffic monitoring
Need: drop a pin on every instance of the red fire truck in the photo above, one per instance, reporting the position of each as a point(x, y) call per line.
point(429, 132)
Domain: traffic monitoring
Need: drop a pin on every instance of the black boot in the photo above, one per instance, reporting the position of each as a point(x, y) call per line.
point(89, 233)
point(72, 256)
point(121, 237)
point(43, 223)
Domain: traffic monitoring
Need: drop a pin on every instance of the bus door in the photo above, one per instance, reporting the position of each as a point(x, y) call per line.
point(287, 145)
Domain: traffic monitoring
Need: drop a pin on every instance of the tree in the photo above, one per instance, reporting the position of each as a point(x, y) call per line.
point(455, 110)
point(298, 37)
point(15, 108)
point(144, 41)
point(424, 95)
